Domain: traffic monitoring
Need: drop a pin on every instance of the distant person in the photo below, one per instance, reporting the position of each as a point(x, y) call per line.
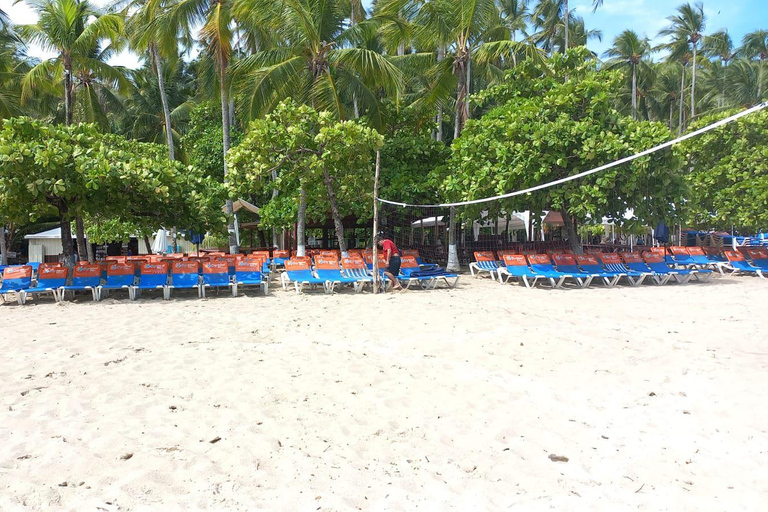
point(392, 258)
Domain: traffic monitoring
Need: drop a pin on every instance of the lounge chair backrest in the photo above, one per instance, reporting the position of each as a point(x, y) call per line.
point(160, 268)
point(296, 264)
point(659, 250)
point(631, 257)
point(485, 256)
point(257, 254)
point(678, 250)
point(408, 262)
point(515, 260)
point(120, 269)
point(539, 259)
point(329, 253)
point(185, 267)
point(610, 258)
point(248, 265)
point(48, 265)
point(757, 253)
point(695, 251)
point(653, 258)
point(137, 259)
point(52, 277)
point(567, 260)
point(326, 263)
point(587, 260)
point(734, 256)
point(215, 267)
point(306, 259)
point(410, 252)
point(86, 274)
point(117, 259)
point(282, 254)
point(17, 277)
point(352, 263)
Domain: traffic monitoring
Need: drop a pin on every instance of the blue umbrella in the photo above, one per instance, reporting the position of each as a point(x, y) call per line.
point(661, 233)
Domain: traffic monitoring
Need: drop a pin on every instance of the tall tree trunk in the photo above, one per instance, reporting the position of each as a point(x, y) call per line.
point(760, 80)
point(225, 126)
point(82, 250)
point(147, 245)
point(439, 136)
point(570, 229)
point(634, 90)
point(567, 23)
point(671, 113)
point(352, 23)
point(469, 88)
point(68, 103)
point(66, 238)
point(164, 100)
point(461, 94)
point(453, 253)
point(3, 246)
point(301, 225)
point(682, 103)
point(337, 223)
point(693, 85)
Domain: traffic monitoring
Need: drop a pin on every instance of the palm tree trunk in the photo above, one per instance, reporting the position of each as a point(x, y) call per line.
point(225, 126)
point(163, 100)
point(671, 113)
point(3, 247)
point(301, 228)
point(567, 15)
point(337, 223)
point(570, 229)
point(440, 57)
point(352, 23)
point(67, 92)
point(461, 95)
point(82, 250)
point(693, 86)
point(760, 80)
point(634, 91)
point(147, 245)
point(682, 103)
point(453, 253)
point(469, 87)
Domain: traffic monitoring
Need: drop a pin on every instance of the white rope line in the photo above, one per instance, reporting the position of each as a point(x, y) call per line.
point(665, 145)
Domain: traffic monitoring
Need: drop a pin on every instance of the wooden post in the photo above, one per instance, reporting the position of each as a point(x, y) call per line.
point(375, 237)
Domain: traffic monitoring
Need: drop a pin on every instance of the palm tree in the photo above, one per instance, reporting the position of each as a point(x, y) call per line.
point(664, 93)
point(719, 46)
point(553, 13)
point(687, 27)
point(74, 31)
point(755, 44)
point(629, 50)
point(314, 60)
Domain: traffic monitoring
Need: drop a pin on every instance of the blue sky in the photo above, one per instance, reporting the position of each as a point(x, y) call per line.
point(646, 17)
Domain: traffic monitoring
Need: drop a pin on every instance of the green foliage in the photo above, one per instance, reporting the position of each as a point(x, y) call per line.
point(121, 185)
point(298, 143)
point(728, 174)
point(544, 127)
point(203, 141)
point(412, 163)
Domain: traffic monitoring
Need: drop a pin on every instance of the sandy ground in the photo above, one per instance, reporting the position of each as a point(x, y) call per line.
point(439, 400)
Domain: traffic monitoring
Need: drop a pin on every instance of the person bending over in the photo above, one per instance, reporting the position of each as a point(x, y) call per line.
point(392, 257)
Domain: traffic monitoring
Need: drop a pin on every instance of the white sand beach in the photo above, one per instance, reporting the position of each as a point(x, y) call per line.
point(438, 400)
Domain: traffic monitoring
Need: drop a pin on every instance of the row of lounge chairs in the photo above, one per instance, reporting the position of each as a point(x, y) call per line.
point(582, 270)
point(357, 270)
point(162, 276)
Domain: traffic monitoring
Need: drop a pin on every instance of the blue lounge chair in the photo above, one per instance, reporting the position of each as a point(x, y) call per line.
point(185, 275)
point(635, 262)
point(515, 266)
point(759, 257)
point(702, 261)
point(299, 273)
point(612, 262)
point(682, 257)
point(249, 274)
point(739, 264)
point(592, 266)
point(566, 263)
point(327, 268)
point(120, 276)
point(15, 280)
point(85, 277)
point(50, 279)
point(152, 276)
point(428, 278)
point(355, 268)
point(215, 275)
point(542, 265)
point(659, 267)
point(485, 261)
